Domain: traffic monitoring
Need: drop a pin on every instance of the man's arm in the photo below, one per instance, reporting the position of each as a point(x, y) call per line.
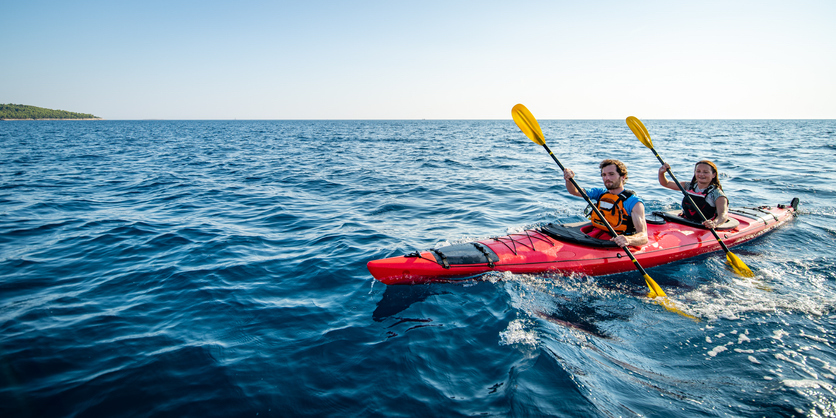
point(570, 187)
point(640, 237)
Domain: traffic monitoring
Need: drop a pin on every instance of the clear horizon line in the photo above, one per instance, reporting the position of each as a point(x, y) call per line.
point(402, 119)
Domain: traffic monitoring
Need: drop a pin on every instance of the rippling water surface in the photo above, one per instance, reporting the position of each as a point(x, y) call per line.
point(217, 268)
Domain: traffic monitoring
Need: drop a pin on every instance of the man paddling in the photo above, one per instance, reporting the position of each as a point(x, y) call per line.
point(623, 209)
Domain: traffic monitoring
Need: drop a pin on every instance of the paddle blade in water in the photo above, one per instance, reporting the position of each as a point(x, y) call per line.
point(528, 124)
point(661, 298)
point(738, 265)
point(655, 290)
point(672, 308)
point(640, 131)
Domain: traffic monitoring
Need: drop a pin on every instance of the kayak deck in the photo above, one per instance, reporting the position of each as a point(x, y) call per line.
point(568, 249)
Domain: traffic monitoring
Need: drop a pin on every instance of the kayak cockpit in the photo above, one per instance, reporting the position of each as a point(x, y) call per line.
point(577, 233)
point(674, 216)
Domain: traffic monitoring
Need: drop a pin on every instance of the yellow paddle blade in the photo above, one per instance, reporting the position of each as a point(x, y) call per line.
point(640, 131)
point(672, 308)
point(528, 125)
point(655, 290)
point(738, 265)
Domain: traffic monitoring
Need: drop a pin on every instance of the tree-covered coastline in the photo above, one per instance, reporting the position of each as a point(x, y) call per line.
point(16, 111)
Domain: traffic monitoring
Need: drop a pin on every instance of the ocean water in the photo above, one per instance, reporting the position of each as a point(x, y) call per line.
point(218, 268)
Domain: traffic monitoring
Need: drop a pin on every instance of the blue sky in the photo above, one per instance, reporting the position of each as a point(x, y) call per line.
point(421, 60)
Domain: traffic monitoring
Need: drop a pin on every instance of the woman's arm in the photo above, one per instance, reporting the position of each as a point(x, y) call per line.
point(663, 179)
point(722, 213)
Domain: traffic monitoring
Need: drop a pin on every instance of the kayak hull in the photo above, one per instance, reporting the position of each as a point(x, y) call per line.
point(563, 249)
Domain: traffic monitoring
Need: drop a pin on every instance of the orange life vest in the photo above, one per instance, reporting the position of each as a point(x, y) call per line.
point(612, 207)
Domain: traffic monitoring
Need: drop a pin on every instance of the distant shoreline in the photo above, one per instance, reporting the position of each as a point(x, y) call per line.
point(13, 111)
point(53, 119)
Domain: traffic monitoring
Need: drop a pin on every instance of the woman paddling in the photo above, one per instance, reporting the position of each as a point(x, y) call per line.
point(705, 190)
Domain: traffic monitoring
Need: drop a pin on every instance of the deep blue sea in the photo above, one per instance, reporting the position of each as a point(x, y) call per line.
point(218, 269)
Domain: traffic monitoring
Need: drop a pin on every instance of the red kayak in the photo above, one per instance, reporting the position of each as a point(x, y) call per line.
point(567, 248)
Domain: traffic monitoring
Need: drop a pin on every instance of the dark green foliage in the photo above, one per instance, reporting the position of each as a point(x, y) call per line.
point(15, 111)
